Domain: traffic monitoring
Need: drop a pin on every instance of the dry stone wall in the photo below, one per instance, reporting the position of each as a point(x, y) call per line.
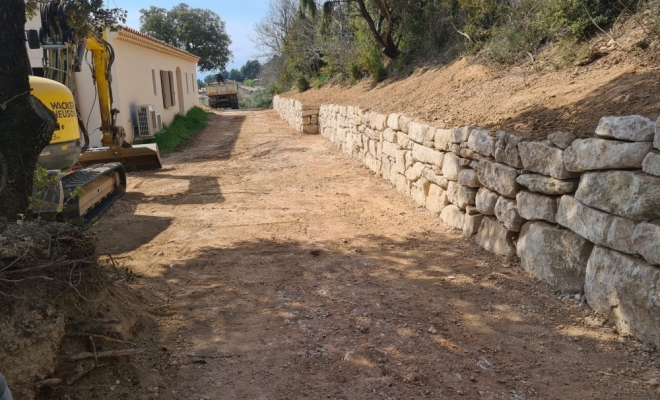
point(582, 215)
point(303, 118)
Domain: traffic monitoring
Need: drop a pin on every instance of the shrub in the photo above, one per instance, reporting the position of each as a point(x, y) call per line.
point(302, 84)
point(181, 128)
point(248, 83)
point(258, 99)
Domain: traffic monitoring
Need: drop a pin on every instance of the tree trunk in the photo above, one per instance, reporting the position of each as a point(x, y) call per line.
point(389, 48)
point(26, 125)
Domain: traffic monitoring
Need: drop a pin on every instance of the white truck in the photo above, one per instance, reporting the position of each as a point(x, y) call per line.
point(223, 94)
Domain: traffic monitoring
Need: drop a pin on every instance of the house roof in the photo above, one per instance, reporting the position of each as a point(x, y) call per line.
point(138, 38)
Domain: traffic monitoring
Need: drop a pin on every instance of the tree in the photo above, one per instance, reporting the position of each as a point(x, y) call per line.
point(196, 30)
point(26, 124)
point(251, 69)
point(270, 33)
point(235, 75)
point(201, 83)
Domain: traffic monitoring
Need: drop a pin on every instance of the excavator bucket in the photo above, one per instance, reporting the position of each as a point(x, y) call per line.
point(138, 157)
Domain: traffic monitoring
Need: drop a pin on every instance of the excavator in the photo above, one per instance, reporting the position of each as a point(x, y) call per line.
point(89, 180)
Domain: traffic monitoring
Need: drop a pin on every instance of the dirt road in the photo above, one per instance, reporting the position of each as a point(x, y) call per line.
point(278, 268)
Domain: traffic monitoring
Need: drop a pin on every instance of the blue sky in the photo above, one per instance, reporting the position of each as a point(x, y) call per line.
point(239, 16)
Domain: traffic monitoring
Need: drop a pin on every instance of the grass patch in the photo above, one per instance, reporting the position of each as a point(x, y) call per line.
point(181, 129)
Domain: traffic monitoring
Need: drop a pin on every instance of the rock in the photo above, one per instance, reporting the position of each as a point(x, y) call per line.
point(651, 163)
point(393, 121)
point(555, 256)
point(401, 183)
point(461, 134)
point(471, 210)
point(634, 128)
point(432, 330)
point(427, 155)
point(472, 224)
point(463, 162)
point(498, 177)
point(543, 159)
point(389, 135)
point(506, 211)
point(495, 238)
point(630, 194)
point(468, 177)
point(377, 121)
point(646, 240)
point(472, 155)
point(403, 123)
point(436, 200)
point(532, 206)
point(485, 201)
point(443, 139)
point(415, 172)
point(451, 166)
point(547, 185)
point(420, 133)
point(419, 190)
point(506, 149)
point(456, 149)
point(562, 139)
point(481, 142)
point(390, 149)
point(625, 290)
point(593, 154)
point(432, 176)
point(460, 195)
point(403, 141)
point(656, 141)
point(601, 228)
point(453, 216)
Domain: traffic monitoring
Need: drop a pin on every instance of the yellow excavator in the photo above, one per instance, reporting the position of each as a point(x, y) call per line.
point(99, 172)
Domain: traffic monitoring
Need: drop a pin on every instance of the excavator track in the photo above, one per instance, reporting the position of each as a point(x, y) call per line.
point(101, 184)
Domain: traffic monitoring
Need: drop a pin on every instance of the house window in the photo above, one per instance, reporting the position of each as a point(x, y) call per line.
point(167, 88)
point(153, 81)
point(187, 87)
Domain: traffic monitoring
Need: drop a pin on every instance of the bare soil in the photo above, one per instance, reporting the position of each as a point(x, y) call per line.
point(541, 96)
point(279, 268)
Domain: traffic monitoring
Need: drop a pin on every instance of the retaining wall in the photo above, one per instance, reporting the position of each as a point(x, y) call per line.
point(582, 215)
point(303, 118)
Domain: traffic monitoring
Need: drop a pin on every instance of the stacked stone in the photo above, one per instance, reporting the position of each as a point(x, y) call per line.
point(582, 215)
point(302, 118)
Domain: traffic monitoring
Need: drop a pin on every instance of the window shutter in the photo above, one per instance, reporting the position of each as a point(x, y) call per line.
point(187, 87)
point(172, 93)
point(153, 81)
point(165, 89)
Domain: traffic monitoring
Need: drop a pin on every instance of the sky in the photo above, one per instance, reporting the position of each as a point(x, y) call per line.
point(239, 16)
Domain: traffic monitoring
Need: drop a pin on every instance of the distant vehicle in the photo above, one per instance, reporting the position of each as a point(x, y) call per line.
point(222, 93)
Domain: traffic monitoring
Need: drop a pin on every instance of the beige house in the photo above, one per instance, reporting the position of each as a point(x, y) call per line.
point(149, 77)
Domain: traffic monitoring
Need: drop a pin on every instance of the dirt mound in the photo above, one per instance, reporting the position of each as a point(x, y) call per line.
point(544, 95)
point(53, 284)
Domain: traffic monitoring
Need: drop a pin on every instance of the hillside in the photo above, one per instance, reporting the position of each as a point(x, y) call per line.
point(620, 77)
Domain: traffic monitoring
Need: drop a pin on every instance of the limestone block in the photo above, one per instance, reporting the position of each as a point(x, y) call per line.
point(436, 200)
point(629, 194)
point(471, 224)
point(485, 201)
point(456, 149)
point(393, 121)
point(409, 159)
point(403, 141)
point(481, 142)
point(506, 211)
point(473, 164)
point(555, 256)
point(451, 167)
point(634, 128)
point(419, 190)
point(453, 216)
point(460, 195)
point(562, 139)
point(495, 238)
point(415, 172)
point(377, 121)
point(400, 183)
point(314, 119)
point(651, 163)
point(311, 129)
point(372, 163)
point(421, 133)
point(471, 210)
point(461, 134)
point(309, 113)
point(498, 177)
point(532, 206)
point(543, 159)
point(596, 226)
point(389, 135)
point(400, 165)
point(443, 139)
point(468, 177)
point(373, 134)
point(656, 141)
point(403, 123)
point(547, 185)
point(506, 149)
point(646, 240)
point(389, 149)
point(436, 177)
point(386, 168)
point(593, 154)
point(427, 155)
point(472, 155)
point(626, 291)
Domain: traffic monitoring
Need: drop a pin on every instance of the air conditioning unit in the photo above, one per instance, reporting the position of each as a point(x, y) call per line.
point(146, 116)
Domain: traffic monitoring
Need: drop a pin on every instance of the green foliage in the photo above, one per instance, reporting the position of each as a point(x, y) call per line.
point(209, 79)
point(369, 58)
point(196, 30)
point(248, 82)
point(235, 75)
point(85, 17)
point(251, 69)
point(181, 129)
point(258, 99)
point(201, 83)
point(302, 84)
point(576, 19)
